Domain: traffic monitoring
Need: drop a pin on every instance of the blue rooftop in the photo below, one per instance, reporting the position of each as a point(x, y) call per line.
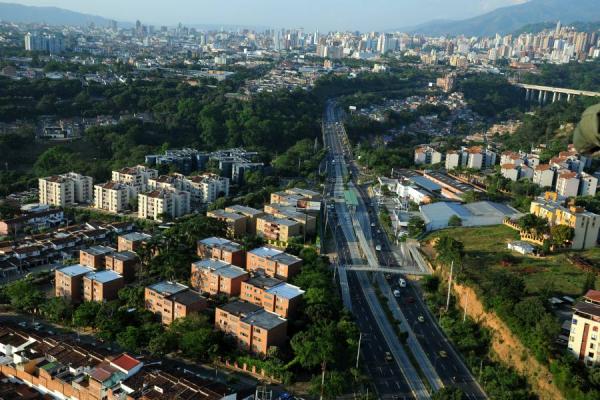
point(75, 270)
point(425, 183)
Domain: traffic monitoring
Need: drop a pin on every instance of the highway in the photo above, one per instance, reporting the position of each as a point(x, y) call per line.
point(357, 232)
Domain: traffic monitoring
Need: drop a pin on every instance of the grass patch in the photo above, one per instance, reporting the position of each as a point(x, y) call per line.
point(486, 251)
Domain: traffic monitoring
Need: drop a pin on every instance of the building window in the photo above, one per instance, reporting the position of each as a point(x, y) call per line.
point(591, 345)
point(594, 336)
point(574, 322)
point(591, 355)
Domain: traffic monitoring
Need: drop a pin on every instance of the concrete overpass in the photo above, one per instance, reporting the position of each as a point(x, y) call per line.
point(386, 270)
point(541, 92)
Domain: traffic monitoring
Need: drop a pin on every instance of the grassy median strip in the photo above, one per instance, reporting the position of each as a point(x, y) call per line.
point(402, 336)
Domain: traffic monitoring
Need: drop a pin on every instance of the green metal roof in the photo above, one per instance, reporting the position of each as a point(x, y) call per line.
point(350, 198)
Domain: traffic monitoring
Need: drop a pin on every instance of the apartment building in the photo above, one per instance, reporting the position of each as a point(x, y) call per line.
point(277, 229)
point(567, 183)
point(137, 177)
point(588, 184)
point(585, 224)
point(251, 215)
point(272, 262)
point(272, 294)
point(308, 223)
point(222, 249)
point(159, 203)
point(217, 277)
point(95, 256)
point(303, 200)
point(132, 241)
point(427, 155)
point(204, 189)
point(585, 329)
point(113, 197)
point(236, 223)
point(68, 282)
point(65, 190)
point(516, 172)
point(102, 286)
point(475, 157)
point(543, 176)
point(125, 263)
point(452, 159)
point(254, 329)
point(172, 300)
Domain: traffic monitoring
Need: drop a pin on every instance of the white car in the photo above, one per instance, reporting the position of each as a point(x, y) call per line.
point(401, 282)
point(396, 293)
point(378, 247)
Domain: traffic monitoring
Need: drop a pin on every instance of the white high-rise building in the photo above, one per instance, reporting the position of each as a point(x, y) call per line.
point(65, 190)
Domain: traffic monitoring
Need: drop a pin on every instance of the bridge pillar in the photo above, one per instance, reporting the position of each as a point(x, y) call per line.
point(541, 97)
point(569, 97)
point(545, 97)
point(553, 97)
point(559, 96)
point(527, 94)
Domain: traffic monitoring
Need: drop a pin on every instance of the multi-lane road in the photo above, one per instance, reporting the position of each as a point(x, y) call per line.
point(357, 232)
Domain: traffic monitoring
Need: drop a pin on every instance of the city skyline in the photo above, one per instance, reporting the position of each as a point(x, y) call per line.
point(336, 15)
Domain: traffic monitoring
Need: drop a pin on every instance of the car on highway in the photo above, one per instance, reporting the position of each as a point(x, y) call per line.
point(443, 354)
point(421, 318)
point(410, 300)
point(23, 324)
point(396, 293)
point(401, 282)
point(372, 224)
point(378, 247)
point(388, 357)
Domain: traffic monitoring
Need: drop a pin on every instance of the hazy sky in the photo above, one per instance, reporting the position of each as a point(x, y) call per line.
point(309, 14)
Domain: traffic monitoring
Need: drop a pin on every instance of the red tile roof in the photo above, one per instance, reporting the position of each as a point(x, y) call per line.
point(593, 295)
point(125, 362)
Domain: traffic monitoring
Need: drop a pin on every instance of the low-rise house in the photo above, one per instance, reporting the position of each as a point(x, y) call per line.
point(217, 277)
point(35, 220)
point(254, 329)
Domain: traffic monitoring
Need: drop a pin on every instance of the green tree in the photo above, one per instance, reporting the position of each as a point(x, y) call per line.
point(57, 309)
point(561, 234)
point(24, 296)
point(416, 226)
point(85, 314)
point(449, 393)
point(454, 221)
point(449, 250)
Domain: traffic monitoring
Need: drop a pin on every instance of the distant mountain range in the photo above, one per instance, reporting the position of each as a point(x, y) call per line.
point(11, 12)
point(512, 18)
